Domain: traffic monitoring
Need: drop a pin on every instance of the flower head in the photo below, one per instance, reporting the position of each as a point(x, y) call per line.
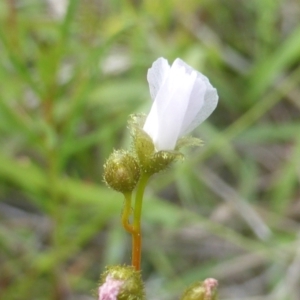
point(110, 289)
point(202, 290)
point(183, 98)
point(121, 283)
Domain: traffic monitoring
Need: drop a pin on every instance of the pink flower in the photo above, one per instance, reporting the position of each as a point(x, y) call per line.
point(110, 289)
point(210, 285)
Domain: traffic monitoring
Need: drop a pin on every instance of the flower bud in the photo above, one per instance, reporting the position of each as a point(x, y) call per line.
point(121, 171)
point(121, 283)
point(202, 290)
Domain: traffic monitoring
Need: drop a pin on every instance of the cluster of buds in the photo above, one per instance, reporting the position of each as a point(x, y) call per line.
point(125, 283)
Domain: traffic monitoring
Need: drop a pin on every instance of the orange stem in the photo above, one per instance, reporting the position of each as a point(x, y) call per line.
point(136, 234)
point(136, 250)
point(126, 214)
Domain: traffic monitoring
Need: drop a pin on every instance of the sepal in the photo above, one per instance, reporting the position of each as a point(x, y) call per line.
point(188, 141)
point(150, 160)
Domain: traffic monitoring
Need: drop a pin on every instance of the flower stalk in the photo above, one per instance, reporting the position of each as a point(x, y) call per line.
point(127, 212)
point(135, 228)
point(137, 235)
point(182, 99)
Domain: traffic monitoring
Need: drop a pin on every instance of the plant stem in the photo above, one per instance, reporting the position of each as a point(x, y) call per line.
point(136, 234)
point(126, 213)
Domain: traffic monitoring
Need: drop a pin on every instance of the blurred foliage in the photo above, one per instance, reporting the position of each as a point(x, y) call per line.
point(68, 82)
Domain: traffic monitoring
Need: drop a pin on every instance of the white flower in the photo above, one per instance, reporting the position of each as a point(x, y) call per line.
point(183, 98)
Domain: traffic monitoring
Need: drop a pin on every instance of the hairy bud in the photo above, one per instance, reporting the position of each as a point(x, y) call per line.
point(202, 290)
point(121, 283)
point(121, 171)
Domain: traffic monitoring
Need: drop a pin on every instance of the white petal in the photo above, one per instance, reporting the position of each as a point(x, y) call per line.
point(202, 103)
point(156, 75)
point(210, 102)
point(195, 104)
point(183, 98)
point(169, 108)
point(151, 125)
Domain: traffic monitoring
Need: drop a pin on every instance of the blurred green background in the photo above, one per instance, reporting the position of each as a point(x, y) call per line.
point(70, 75)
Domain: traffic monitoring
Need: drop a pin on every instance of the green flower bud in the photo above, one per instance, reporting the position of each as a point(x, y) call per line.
point(202, 290)
point(121, 171)
point(121, 283)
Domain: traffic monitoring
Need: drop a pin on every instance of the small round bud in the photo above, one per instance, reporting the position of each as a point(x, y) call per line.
point(121, 283)
point(121, 171)
point(202, 290)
